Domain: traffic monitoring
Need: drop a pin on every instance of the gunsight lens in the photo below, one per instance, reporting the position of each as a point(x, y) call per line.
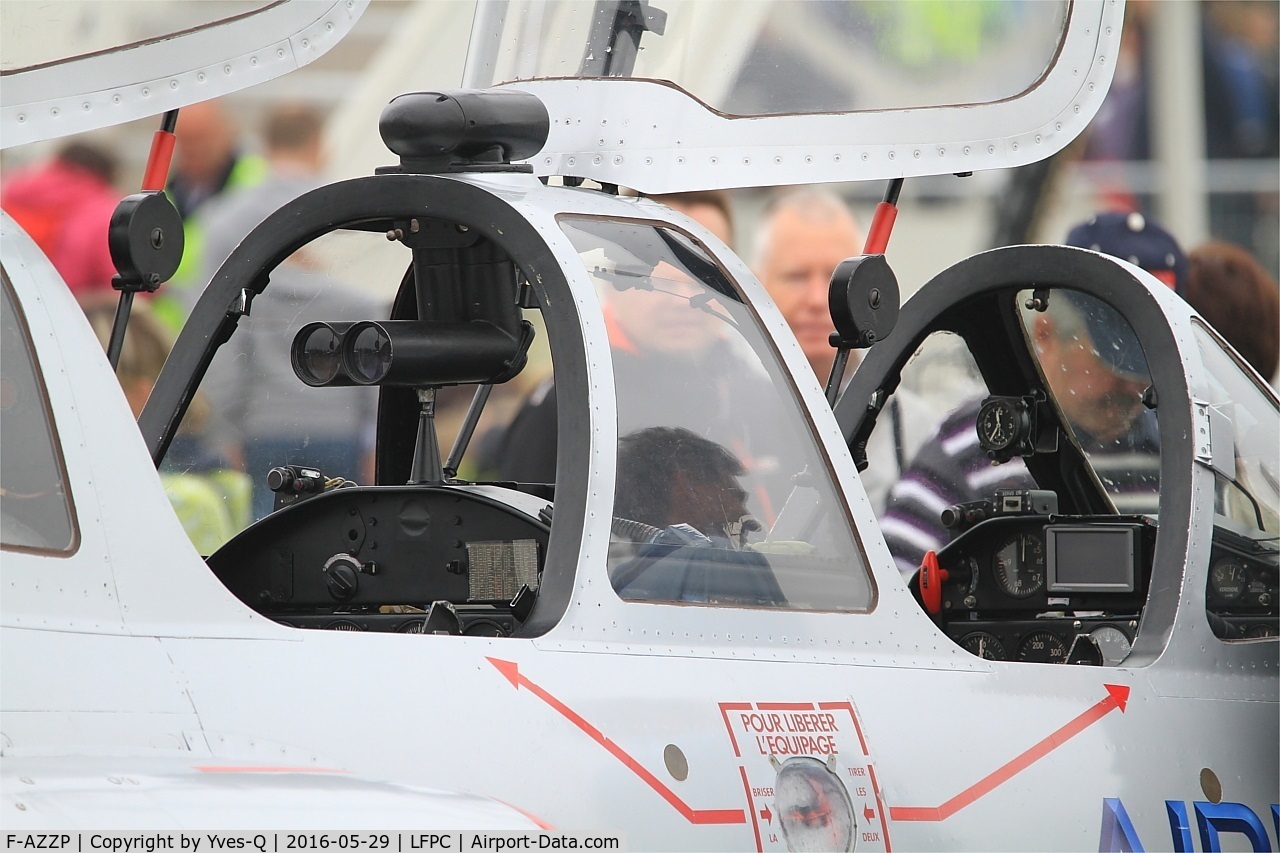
point(369, 354)
point(317, 354)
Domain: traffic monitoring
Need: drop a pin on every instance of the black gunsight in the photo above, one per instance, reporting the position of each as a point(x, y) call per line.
point(457, 130)
point(421, 353)
point(407, 353)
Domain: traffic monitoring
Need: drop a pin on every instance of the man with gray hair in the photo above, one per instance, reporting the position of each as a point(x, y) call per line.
point(803, 237)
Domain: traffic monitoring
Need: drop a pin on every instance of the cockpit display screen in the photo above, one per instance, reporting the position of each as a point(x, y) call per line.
point(1091, 558)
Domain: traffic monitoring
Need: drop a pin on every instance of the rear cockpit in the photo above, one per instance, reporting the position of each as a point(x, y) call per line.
point(723, 496)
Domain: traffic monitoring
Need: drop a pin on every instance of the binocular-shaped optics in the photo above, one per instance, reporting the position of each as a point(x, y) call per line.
point(411, 353)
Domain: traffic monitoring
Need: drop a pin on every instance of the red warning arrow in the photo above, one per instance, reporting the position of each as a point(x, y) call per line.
point(511, 671)
point(1117, 698)
point(766, 815)
point(868, 813)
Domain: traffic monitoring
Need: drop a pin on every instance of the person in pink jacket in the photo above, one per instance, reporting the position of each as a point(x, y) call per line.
point(65, 205)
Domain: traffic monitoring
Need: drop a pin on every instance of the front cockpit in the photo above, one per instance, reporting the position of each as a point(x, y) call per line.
point(1050, 516)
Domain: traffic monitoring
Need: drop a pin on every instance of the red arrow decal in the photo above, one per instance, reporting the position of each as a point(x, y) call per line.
point(511, 671)
point(766, 815)
point(1117, 698)
point(868, 813)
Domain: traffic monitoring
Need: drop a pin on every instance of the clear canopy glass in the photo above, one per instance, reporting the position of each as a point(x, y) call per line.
point(723, 495)
point(774, 57)
point(1252, 496)
point(1098, 376)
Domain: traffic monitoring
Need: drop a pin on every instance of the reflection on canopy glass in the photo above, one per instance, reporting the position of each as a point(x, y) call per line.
point(769, 58)
point(722, 496)
point(35, 507)
point(1252, 496)
point(1098, 376)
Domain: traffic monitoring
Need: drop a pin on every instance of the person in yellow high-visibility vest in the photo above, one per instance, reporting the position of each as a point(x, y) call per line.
point(208, 162)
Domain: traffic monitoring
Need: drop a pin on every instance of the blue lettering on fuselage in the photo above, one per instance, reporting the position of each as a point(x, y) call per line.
point(1118, 834)
point(1213, 820)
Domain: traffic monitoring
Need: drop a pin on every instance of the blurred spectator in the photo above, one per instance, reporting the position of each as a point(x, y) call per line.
point(65, 205)
point(1121, 129)
point(525, 450)
point(804, 235)
point(1242, 114)
point(709, 208)
point(210, 500)
point(1235, 294)
point(265, 416)
point(1137, 239)
point(1242, 102)
point(208, 163)
point(292, 136)
point(1241, 110)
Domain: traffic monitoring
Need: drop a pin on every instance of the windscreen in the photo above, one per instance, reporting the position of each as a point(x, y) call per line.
point(35, 502)
point(1252, 495)
point(779, 57)
point(723, 496)
point(1098, 377)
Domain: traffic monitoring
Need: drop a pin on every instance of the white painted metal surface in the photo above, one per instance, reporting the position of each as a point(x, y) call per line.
point(101, 89)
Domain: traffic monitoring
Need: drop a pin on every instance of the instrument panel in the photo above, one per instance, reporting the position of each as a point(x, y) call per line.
point(1101, 640)
point(1035, 564)
point(406, 559)
point(1241, 594)
point(1047, 589)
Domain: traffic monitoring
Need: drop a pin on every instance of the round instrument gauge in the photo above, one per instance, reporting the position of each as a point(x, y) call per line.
point(1042, 647)
point(1112, 642)
point(984, 645)
point(1228, 579)
point(413, 626)
point(1018, 565)
point(484, 628)
point(1000, 424)
point(343, 625)
point(1259, 631)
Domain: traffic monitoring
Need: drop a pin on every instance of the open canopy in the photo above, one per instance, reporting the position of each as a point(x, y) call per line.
point(677, 95)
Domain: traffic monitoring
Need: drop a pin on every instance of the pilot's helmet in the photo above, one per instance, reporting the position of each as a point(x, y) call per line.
point(1137, 239)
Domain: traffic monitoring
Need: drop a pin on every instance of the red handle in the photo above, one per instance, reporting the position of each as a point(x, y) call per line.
point(157, 174)
point(932, 576)
point(881, 227)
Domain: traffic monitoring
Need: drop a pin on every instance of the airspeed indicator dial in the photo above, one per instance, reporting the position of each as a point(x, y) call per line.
point(1042, 647)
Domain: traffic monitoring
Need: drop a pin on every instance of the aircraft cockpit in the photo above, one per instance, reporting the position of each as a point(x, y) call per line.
point(1034, 525)
point(722, 492)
